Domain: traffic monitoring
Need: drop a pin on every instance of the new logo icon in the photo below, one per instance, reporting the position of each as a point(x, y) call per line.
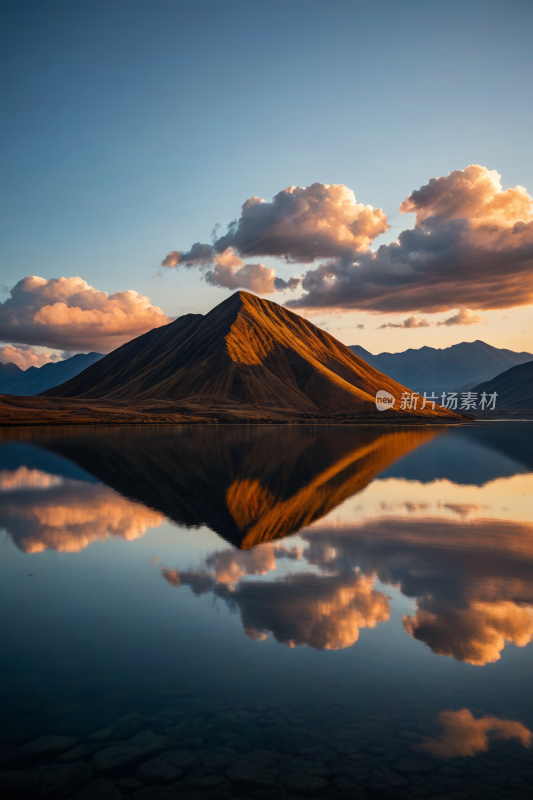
point(384, 400)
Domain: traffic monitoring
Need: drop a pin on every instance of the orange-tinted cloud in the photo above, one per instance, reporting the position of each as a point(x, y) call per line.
point(410, 322)
point(24, 478)
point(474, 194)
point(70, 515)
point(324, 612)
point(471, 247)
point(472, 577)
point(230, 272)
point(463, 317)
point(464, 735)
point(68, 314)
point(24, 356)
point(476, 634)
point(299, 225)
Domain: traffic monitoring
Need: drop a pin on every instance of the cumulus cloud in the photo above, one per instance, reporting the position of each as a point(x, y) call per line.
point(230, 272)
point(475, 635)
point(464, 735)
point(410, 322)
point(68, 314)
point(43, 512)
point(324, 612)
point(25, 356)
point(472, 247)
point(300, 225)
point(463, 317)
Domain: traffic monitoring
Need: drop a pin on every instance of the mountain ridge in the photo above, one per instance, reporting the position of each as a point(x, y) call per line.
point(458, 367)
point(34, 380)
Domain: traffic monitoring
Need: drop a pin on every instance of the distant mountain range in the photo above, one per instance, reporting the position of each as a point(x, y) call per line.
point(459, 367)
point(34, 380)
point(7, 370)
point(248, 352)
point(514, 387)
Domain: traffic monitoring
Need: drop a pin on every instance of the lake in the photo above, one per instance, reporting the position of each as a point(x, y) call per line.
point(267, 612)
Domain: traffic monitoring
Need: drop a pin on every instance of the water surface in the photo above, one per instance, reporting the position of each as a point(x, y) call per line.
point(267, 611)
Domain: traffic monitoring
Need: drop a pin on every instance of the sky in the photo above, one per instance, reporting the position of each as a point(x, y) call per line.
point(131, 130)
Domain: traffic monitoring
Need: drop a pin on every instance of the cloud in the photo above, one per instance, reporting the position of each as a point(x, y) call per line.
point(324, 612)
point(475, 635)
point(68, 314)
point(42, 511)
point(24, 356)
point(410, 322)
point(463, 317)
point(300, 225)
point(254, 277)
point(464, 735)
point(471, 247)
point(281, 285)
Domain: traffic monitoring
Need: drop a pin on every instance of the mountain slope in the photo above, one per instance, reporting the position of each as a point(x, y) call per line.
point(247, 351)
point(514, 387)
point(7, 370)
point(38, 379)
point(461, 365)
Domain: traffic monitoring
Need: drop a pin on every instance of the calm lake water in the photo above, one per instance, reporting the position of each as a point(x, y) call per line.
point(267, 612)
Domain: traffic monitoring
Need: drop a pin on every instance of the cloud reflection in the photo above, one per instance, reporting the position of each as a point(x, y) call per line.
point(464, 735)
point(42, 511)
point(324, 612)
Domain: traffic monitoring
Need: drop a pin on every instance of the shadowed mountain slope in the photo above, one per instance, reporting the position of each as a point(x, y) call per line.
point(248, 484)
point(7, 370)
point(35, 380)
point(459, 366)
point(514, 387)
point(246, 350)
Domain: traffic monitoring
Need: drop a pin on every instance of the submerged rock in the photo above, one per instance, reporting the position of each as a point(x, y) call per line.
point(101, 789)
point(300, 783)
point(251, 773)
point(48, 745)
point(117, 756)
point(158, 770)
point(181, 759)
point(61, 781)
point(77, 753)
point(120, 730)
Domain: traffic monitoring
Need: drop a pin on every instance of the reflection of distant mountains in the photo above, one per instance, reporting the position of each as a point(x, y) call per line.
point(471, 454)
point(249, 484)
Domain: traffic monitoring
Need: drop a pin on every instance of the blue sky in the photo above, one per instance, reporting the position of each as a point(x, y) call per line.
point(131, 128)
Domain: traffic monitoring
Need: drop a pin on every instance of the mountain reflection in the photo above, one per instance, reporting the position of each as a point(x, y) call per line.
point(248, 484)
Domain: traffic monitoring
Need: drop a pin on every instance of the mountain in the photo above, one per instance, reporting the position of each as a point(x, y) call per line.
point(7, 370)
point(35, 380)
point(249, 484)
point(460, 366)
point(246, 351)
point(514, 387)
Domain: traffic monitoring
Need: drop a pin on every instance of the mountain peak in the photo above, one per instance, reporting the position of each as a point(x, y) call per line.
point(245, 351)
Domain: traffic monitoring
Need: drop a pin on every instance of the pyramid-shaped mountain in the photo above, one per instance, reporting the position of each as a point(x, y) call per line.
point(246, 351)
